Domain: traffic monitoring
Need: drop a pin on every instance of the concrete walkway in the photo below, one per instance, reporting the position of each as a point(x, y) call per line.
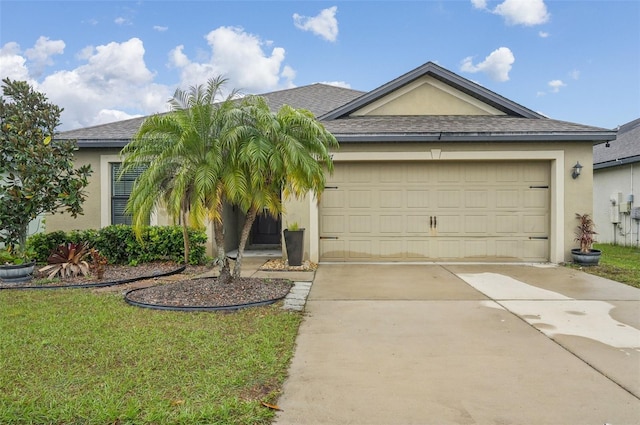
point(465, 344)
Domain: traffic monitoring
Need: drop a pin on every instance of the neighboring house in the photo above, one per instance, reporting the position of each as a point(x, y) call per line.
point(431, 167)
point(616, 187)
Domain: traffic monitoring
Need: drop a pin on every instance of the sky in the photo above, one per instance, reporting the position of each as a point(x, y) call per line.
point(105, 61)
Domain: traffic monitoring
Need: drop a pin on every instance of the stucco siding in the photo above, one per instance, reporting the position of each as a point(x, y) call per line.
point(427, 96)
point(93, 204)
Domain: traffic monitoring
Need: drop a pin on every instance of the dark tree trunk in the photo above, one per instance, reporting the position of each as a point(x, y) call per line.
point(185, 236)
point(246, 229)
point(223, 263)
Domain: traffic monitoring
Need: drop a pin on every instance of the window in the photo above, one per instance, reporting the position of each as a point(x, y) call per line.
point(120, 192)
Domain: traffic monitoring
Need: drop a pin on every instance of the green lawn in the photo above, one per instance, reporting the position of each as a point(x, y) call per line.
point(619, 263)
point(76, 357)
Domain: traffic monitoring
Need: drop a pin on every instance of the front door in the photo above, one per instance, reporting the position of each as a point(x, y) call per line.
point(266, 230)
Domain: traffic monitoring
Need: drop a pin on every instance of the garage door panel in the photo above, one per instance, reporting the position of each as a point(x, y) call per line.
point(536, 199)
point(436, 211)
point(360, 249)
point(449, 198)
point(332, 224)
point(508, 198)
point(418, 249)
point(507, 224)
point(476, 199)
point(392, 248)
point(476, 224)
point(418, 199)
point(360, 224)
point(391, 224)
point(447, 224)
point(535, 224)
point(333, 199)
point(390, 199)
point(360, 199)
point(417, 224)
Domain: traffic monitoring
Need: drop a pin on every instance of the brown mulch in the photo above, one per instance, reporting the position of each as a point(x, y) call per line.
point(112, 273)
point(210, 292)
point(194, 287)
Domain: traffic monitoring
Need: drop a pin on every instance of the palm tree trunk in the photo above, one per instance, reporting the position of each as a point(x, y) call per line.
point(251, 217)
point(185, 236)
point(218, 234)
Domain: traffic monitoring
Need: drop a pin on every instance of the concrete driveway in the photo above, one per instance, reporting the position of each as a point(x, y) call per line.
point(465, 344)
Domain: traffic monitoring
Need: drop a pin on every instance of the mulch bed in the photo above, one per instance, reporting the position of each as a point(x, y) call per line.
point(186, 289)
point(113, 273)
point(210, 292)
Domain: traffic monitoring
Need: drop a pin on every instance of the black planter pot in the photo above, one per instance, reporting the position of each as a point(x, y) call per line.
point(16, 273)
point(591, 258)
point(294, 242)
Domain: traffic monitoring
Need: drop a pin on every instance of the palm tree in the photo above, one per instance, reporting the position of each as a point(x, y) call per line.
point(182, 154)
point(280, 155)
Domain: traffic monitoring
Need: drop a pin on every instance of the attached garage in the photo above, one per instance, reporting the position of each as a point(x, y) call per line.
point(436, 211)
point(430, 167)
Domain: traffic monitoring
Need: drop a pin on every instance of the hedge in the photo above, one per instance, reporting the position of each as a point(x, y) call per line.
point(121, 246)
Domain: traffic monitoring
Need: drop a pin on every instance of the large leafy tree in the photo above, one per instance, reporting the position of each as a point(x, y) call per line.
point(281, 155)
point(182, 156)
point(36, 171)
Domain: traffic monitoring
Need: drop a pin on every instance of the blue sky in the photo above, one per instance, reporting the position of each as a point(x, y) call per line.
point(103, 61)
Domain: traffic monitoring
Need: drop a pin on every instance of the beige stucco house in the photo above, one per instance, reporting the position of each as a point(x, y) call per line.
point(431, 167)
point(616, 187)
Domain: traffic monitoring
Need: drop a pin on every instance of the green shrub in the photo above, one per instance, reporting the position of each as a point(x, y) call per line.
point(119, 244)
point(42, 244)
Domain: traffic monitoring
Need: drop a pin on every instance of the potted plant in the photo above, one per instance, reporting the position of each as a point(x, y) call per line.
point(585, 231)
point(294, 243)
point(16, 265)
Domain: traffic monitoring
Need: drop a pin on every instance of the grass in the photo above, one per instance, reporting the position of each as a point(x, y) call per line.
point(76, 357)
point(619, 263)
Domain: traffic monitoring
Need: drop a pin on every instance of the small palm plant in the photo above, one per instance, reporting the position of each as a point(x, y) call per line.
point(68, 260)
point(585, 232)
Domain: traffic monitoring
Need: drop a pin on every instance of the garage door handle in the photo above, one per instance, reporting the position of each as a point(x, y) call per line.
point(539, 237)
point(430, 222)
point(329, 237)
point(435, 222)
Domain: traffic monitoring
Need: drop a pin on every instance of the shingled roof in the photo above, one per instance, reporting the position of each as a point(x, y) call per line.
point(317, 98)
point(417, 128)
point(624, 149)
point(334, 107)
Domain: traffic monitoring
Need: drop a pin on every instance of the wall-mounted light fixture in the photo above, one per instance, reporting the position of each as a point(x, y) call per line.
point(576, 170)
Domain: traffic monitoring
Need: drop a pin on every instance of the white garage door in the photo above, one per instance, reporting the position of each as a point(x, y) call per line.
point(424, 211)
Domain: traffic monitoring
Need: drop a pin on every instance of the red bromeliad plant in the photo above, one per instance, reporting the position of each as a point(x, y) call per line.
point(68, 260)
point(585, 232)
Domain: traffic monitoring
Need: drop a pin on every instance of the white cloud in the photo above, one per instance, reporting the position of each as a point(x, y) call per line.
point(122, 21)
point(518, 12)
point(342, 84)
point(239, 57)
point(160, 28)
point(523, 12)
point(497, 65)
point(324, 24)
point(543, 34)
point(12, 64)
point(479, 4)
point(40, 54)
point(556, 85)
point(575, 74)
point(112, 84)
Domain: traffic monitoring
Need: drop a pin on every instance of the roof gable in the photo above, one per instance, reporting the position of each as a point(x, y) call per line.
point(431, 90)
